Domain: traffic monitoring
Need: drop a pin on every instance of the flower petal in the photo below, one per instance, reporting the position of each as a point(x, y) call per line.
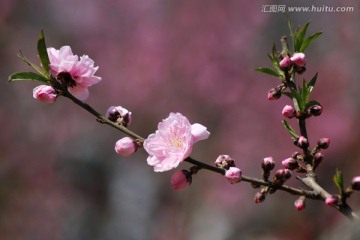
point(199, 132)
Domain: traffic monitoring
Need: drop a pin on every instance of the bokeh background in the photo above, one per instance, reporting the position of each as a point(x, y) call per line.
point(59, 175)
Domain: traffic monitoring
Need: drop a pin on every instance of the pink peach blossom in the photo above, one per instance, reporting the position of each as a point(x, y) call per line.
point(233, 175)
point(285, 62)
point(45, 94)
point(81, 71)
point(288, 111)
point(125, 147)
point(172, 142)
point(181, 180)
point(298, 59)
point(300, 204)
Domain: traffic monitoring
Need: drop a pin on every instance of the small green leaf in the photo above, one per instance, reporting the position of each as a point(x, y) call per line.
point(290, 28)
point(299, 37)
point(290, 129)
point(27, 61)
point(268, 71)
point(27, 76)
point(339, 181)
point(299, 99)
point(312, 82)
point(307, 41)
point(42, 52)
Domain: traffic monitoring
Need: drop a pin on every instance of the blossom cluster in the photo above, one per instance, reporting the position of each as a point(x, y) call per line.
point(77, 74)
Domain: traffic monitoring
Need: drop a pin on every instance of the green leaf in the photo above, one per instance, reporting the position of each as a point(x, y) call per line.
point(290, 129)
point(312, 82)
point(290, 28)
point(299, 37)
point(268, 71)
point(307, 41)
point(42, 52)
point(339, 181)
point(27, 76)
point(36, 67)
point(299, 99)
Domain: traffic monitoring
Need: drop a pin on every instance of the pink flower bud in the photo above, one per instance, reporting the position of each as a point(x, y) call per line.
point(285, 62)
point(125, 147)
point(274, 94)
point(268, 164)
point(324, 143)
point(290, 163)
point(180, 180)
point(224, 161)
point(288, 111)
point(298, 59)
point(233, 175)
point(302, 142)
point(315, 110)
point(300, 203)
point(318, 157)
point(282, 175)
point(119, 114)
point(355, 183)
point(330, 201)
point(45, 94)
point(259, 197)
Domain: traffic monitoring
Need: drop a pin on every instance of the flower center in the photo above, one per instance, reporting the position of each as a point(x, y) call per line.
point(66, 78)
point(176, 142)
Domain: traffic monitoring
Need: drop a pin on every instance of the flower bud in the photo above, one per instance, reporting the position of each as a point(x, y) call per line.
point(290, 163)
point(282, 175)
point(318, 157)
point(288, 111)
point(180, 180)
point(302, 142)
point(300, 203)
point(233, 175)
point(297, 156)
point(315, 110)
point(224, 161)
point(298, 59)
point(331, 201)
point(355, 183)
point(274, 94)
point(323, 143)
point(119, 114)
point(45, 94)
point(285, 62)
point(259, 197)
point(125, 147)
point(268, 164)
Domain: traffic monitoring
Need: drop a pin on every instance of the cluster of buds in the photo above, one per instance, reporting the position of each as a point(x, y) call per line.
point(289, 111)
point(279, 178)
point(232, 173)
point(124, 146)
point(297, 60)
point(182, 179)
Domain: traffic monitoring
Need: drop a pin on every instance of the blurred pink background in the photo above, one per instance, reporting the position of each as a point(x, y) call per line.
point(60, 177)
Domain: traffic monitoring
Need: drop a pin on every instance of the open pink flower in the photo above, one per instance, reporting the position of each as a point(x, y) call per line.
point(81, 71)
point(173, 142)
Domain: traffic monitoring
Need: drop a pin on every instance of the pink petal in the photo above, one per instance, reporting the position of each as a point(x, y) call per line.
point(199, 132)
